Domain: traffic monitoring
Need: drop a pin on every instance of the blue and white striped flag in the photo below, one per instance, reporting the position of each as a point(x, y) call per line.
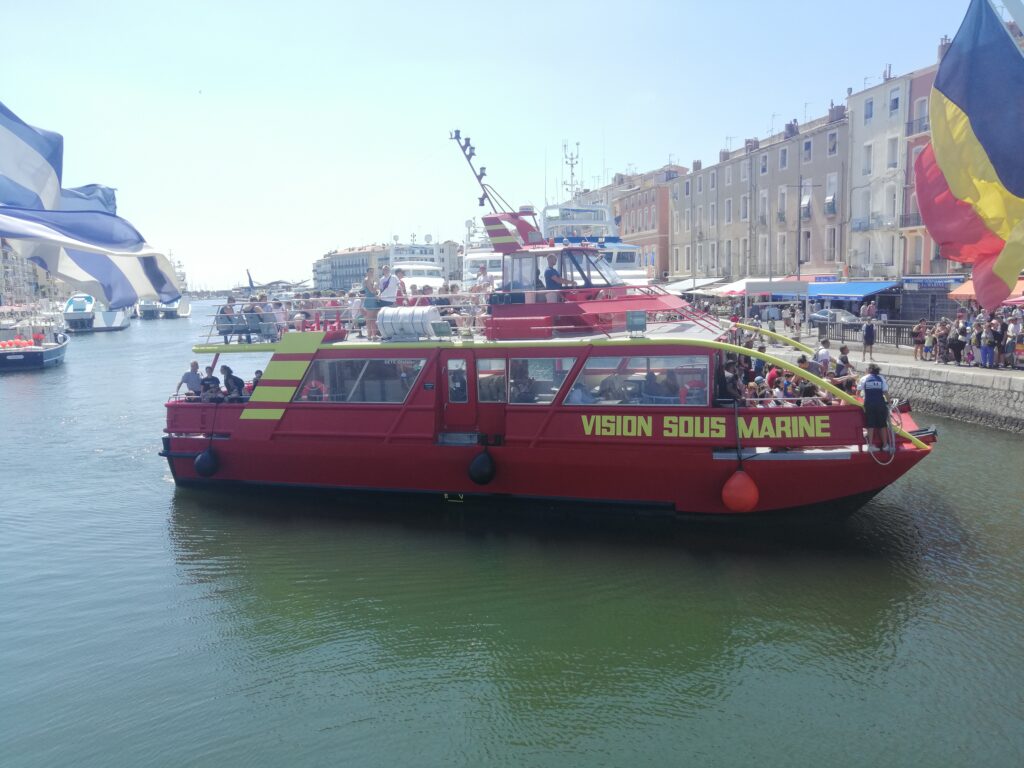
point(84, 244)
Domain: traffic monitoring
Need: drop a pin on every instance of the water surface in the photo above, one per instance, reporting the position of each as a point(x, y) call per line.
point(148, 626)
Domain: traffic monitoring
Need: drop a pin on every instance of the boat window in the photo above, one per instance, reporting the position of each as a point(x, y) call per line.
point(375, 380)
point(625, 257)
point(490, 381)
point(537, 380)
point(458, 384)
point(655, 380)
point(521, 273)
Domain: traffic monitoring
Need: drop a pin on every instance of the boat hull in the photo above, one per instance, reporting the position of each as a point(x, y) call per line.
point(676, 480)
point(33, 358)
point(98, 321)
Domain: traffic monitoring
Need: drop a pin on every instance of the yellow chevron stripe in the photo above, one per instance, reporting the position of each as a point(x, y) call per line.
point(292, 343)
point(285, 370)
point(265, 393)
point(262, 414)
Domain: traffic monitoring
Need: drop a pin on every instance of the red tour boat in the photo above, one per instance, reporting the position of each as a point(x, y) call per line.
point(598, 393)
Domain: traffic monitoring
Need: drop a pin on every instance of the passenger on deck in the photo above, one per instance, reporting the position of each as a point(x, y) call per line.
point(578, 395)
point(234, 385)
point(731, 388)
point(192, 381)
point(210, 392)
point(226, 321)
point(254, 383)
point(613, 388)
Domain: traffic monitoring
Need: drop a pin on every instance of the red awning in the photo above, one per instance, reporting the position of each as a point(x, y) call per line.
point(966, 290)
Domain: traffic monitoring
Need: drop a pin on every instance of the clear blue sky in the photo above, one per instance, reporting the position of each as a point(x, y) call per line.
point(263, 134)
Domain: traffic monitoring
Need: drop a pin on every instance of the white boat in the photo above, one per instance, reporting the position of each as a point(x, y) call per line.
point(174, 309)
point(83, 314)
point(421, 274)
point(594, 224)
point(149, 309)
point(479, 252)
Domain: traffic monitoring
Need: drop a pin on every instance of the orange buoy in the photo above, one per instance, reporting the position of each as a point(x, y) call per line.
point(740, 494)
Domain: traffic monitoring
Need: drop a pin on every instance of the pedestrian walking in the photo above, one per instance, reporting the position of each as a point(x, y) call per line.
point(868, 340)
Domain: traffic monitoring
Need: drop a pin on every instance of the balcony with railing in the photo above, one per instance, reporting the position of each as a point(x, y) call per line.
point(920, 125)
point(910, 220)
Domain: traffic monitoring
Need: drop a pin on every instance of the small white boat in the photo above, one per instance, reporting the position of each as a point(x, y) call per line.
point(174, 309)
point(83, 314)
point(149, 309)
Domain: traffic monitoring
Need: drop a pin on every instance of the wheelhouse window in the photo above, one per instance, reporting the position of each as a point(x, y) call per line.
point(655, 380)
point(367, 380)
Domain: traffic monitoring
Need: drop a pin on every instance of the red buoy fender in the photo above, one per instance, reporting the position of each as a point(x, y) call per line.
point(740, 494)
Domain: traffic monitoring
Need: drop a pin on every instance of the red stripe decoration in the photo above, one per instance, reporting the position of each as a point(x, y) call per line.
point(953, 224)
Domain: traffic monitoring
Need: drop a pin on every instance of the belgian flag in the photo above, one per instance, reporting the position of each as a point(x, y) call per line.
point(970, 179)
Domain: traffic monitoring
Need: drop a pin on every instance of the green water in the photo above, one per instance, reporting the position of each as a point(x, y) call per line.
point(145, 626)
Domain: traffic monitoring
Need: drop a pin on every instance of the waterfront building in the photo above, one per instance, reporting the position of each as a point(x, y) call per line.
point(444, 255)
point(878, 116)
point(643, 212)
point(341, 269)
point(744, 216)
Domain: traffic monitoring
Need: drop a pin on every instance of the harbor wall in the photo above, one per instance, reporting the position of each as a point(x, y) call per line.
point(993, 400)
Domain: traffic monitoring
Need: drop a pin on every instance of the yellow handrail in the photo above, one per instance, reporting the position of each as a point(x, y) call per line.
point(778, 337)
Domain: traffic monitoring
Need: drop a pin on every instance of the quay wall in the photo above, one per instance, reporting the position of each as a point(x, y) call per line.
point(993, 400)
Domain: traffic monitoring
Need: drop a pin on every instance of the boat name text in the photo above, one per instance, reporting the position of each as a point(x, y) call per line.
point(707, 427)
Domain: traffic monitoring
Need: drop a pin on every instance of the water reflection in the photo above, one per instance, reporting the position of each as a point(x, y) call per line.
point(543, 618)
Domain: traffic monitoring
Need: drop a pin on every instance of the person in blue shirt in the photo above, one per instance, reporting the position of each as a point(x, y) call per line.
point(875, 392)
point(553, 279)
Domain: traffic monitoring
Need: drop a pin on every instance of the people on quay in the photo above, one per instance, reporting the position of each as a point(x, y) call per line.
point(868, 339)
point(917, 335)
point(371, 304)
point(192, 381)
point(798, 321)
point(553, 279)
point(875, 391)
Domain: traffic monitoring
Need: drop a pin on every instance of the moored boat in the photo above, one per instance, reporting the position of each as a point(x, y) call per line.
point(31, 347)
point(84, 314)
point(599, 394)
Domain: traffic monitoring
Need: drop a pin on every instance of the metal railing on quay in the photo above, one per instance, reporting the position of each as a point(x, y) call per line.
point(898, 333)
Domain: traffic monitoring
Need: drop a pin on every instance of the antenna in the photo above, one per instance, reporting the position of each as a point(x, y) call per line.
point(571, 161)
point(728, 143)
point(771, 127)
point(497, 202)
point(428, 239)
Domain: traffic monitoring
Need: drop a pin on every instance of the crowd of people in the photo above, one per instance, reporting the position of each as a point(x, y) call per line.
point(261, 319)
point(209, 388)
point(986, 339)
point(750, 381)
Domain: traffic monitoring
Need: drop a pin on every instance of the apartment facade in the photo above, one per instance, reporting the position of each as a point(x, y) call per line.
point(745, 215)
point(878, 175)
point(642, 212)
point(342, 269)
